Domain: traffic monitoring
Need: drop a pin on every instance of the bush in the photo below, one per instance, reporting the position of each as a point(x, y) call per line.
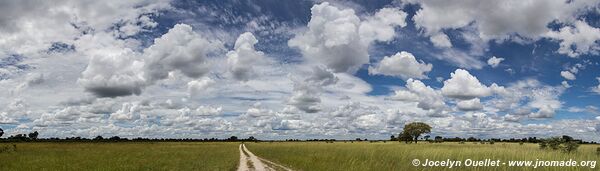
point(521, 143)
point(554, 143)
point(570, 146)
point(543, 144)
point(597, 150)
point(558, 143)
point(492, 142)
point(463, 142)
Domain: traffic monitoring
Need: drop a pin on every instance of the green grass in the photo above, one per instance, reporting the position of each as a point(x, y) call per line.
point(120, 156)
point(365, 156)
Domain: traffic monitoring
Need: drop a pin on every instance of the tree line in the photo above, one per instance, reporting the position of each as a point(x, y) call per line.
point(413, 131)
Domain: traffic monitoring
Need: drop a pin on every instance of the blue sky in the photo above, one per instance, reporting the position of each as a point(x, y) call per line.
point(300, 69)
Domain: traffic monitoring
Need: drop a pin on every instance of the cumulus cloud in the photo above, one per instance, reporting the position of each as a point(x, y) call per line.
point(339, 39)
point(243, 58)
point(567, 75)
point(546, 101)
point(117, 72)
point(202, 111)
point(403, 65)
point(128, 112)
point(322, 76)
point(578, 39)
point(31, 79)
point(381, 25)
point(5, 119)
point(505, 20)
point(469, 105)
point(440, 40)
point(306, 97)
point(180, 49)
point(494, 61)
point(29, 27)
point(195, 87)
point(426, 97)
point(462, 85)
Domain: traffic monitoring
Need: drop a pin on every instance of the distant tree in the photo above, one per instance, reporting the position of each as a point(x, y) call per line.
point(34, 135)
point(115, 138)
point(251, 138)
point(415, 129)
point(393, 138)
point(404, 136)
point(426, 137)
point(233, 138)
point(99, 138)
point(1, 132)
point(567, 138)
point(439, 139)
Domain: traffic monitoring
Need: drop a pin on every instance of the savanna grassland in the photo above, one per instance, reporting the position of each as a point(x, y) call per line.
point(120, 156)
point(307, 156)
point(398, 156)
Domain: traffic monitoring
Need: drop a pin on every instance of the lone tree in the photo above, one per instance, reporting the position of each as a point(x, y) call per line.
point(34, 135)
point(415, 129)
point(1, 132)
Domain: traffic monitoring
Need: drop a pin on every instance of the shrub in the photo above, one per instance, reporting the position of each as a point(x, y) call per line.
point(597, 150)
point(570, 146)
point(557, 143)
point(492, 142)
point(543, 144)
point(463, 142)
point(521, 143)
point(554, 143)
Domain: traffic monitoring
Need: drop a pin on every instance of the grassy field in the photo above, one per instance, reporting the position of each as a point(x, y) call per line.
point(120, 156)
point(398, 156)
point(297, 155)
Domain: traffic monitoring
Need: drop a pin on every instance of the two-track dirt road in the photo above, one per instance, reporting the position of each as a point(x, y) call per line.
point(250, 162)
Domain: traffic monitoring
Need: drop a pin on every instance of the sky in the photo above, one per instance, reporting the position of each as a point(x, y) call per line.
point(302, 69)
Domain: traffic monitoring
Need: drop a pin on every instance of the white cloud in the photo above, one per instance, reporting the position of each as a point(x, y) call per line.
point(403, 65)
point(381, 25)
point(440, 40)
point(568, 75)
point(596, 89)
point(577, 40)
point(338, 39)
point(462, 85)
point(565, 84)
point(202, 111)
point(469, 105)
point(503, 21)
point(5, 119)
point(494, 61)
point(306, 98)
point(195, 87)
point(180, 49)
point(31, 27)
point(426, 97)
point(116, 72)
point(546, 101)
point(128, 112)
point(322, 76)
point(242, 59)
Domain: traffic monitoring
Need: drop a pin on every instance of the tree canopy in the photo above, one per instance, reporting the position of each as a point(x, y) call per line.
point(415, 129)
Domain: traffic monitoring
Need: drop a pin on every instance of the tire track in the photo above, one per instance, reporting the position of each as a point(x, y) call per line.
point(251, 162)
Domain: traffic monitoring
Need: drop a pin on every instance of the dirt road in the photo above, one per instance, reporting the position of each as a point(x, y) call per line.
point(250, 162)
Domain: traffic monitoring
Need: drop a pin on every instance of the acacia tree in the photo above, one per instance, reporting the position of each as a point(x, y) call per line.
point(1, 132)
point(415, 129)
